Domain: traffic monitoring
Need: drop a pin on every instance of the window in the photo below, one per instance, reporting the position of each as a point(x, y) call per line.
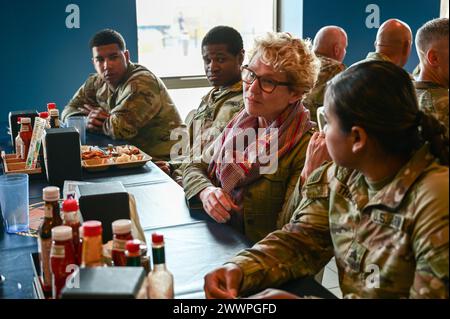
point(170, 33)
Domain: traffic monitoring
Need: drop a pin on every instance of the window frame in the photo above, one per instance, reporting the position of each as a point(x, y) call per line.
point(200, 80)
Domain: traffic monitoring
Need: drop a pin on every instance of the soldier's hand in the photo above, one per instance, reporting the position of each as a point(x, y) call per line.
point(316, 154)
point(274, 294)
point(218, 204)
point(224, 282)
point(86, 109)
point(164, 166)
point(96, 118)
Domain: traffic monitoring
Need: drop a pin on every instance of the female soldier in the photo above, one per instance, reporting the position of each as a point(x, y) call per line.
point(237, 184)
point(381, 208)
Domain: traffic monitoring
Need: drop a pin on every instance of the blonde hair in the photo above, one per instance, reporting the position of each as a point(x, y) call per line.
point(290, 55)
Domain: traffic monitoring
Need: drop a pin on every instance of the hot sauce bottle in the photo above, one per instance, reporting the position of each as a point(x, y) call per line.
point(61, 256)
point(122, 233)
point(71, 219)
point(52, 219)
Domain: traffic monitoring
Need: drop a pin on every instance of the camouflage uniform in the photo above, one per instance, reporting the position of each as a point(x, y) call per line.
point(393, 234)
point(328, 69)
point(217, 108)
point(141, 109)
point(377, 56)
point(433, 100)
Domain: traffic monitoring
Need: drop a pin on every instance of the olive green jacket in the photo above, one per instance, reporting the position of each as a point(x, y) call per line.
point(264, 199)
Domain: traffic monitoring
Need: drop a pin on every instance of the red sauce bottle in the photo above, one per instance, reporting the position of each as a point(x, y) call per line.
point(72, 219)
point(122, 233)
point(61, 256)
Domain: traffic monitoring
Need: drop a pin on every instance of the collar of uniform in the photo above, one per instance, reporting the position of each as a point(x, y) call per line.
point(218, 92)
point(328, 59)
point(378, 56)
point(392, 194)
point(423, 85)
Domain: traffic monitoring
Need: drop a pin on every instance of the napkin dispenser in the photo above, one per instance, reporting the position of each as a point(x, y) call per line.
point(106, 283)
point(62, 155)
point(105, 202)
point(15, 128)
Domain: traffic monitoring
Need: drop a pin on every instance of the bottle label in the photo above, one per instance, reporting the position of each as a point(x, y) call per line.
point(44, 247)
point(119, 244)
point(24, 128)
point(70, 217)
point(158, 255)
point(57, 251)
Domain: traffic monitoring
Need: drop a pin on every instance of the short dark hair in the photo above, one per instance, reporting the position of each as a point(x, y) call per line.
point(224, 35)
point(107, 36)
point(380, 97)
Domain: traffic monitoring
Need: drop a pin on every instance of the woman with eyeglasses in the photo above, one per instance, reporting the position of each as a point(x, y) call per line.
point(253, 166)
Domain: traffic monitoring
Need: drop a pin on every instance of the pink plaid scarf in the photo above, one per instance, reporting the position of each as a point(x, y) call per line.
point(235, 168)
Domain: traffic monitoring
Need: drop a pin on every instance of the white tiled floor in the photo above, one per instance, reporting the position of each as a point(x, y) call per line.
point(330, 278)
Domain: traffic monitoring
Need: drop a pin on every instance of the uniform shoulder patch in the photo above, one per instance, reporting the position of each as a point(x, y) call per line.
point(317, 175)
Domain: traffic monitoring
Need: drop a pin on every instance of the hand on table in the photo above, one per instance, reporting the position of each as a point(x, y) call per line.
point(218, 204)
point(96, 116)
point(224, 282)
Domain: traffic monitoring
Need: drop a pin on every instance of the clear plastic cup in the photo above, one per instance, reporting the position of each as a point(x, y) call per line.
point(14, 202)
point(79, 123)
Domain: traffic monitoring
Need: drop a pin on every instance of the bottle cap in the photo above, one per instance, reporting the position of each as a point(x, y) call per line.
point(133, 246)
point(43, 115)
point(92, 228)
point(157, 238)
point(19, 120)
point(121, 226)
point(54, 112)
point(25, 120)
point(51, 106)
point(70, 205)
point(61, 233)
point(51, 193)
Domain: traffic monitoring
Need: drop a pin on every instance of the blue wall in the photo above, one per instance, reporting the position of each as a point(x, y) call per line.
point(42, 60)
point(351, 15)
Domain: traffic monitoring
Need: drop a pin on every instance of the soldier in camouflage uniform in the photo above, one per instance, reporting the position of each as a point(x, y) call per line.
point(330, 45)
point(433, 79)
point(223, 53)
point(125, 100)
point(393, 43)
point(381, 208)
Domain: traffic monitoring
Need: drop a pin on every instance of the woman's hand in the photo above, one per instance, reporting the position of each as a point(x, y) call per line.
point(316, 154)
point(217, 204)
point(224, 282)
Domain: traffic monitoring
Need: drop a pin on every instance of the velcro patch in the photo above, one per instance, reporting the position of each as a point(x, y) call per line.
point(394, 221)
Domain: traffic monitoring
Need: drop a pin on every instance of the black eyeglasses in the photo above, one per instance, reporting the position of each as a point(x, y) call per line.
point(265, 84)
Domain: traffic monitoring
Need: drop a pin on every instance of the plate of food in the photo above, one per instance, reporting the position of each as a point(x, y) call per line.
point(96, 158)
